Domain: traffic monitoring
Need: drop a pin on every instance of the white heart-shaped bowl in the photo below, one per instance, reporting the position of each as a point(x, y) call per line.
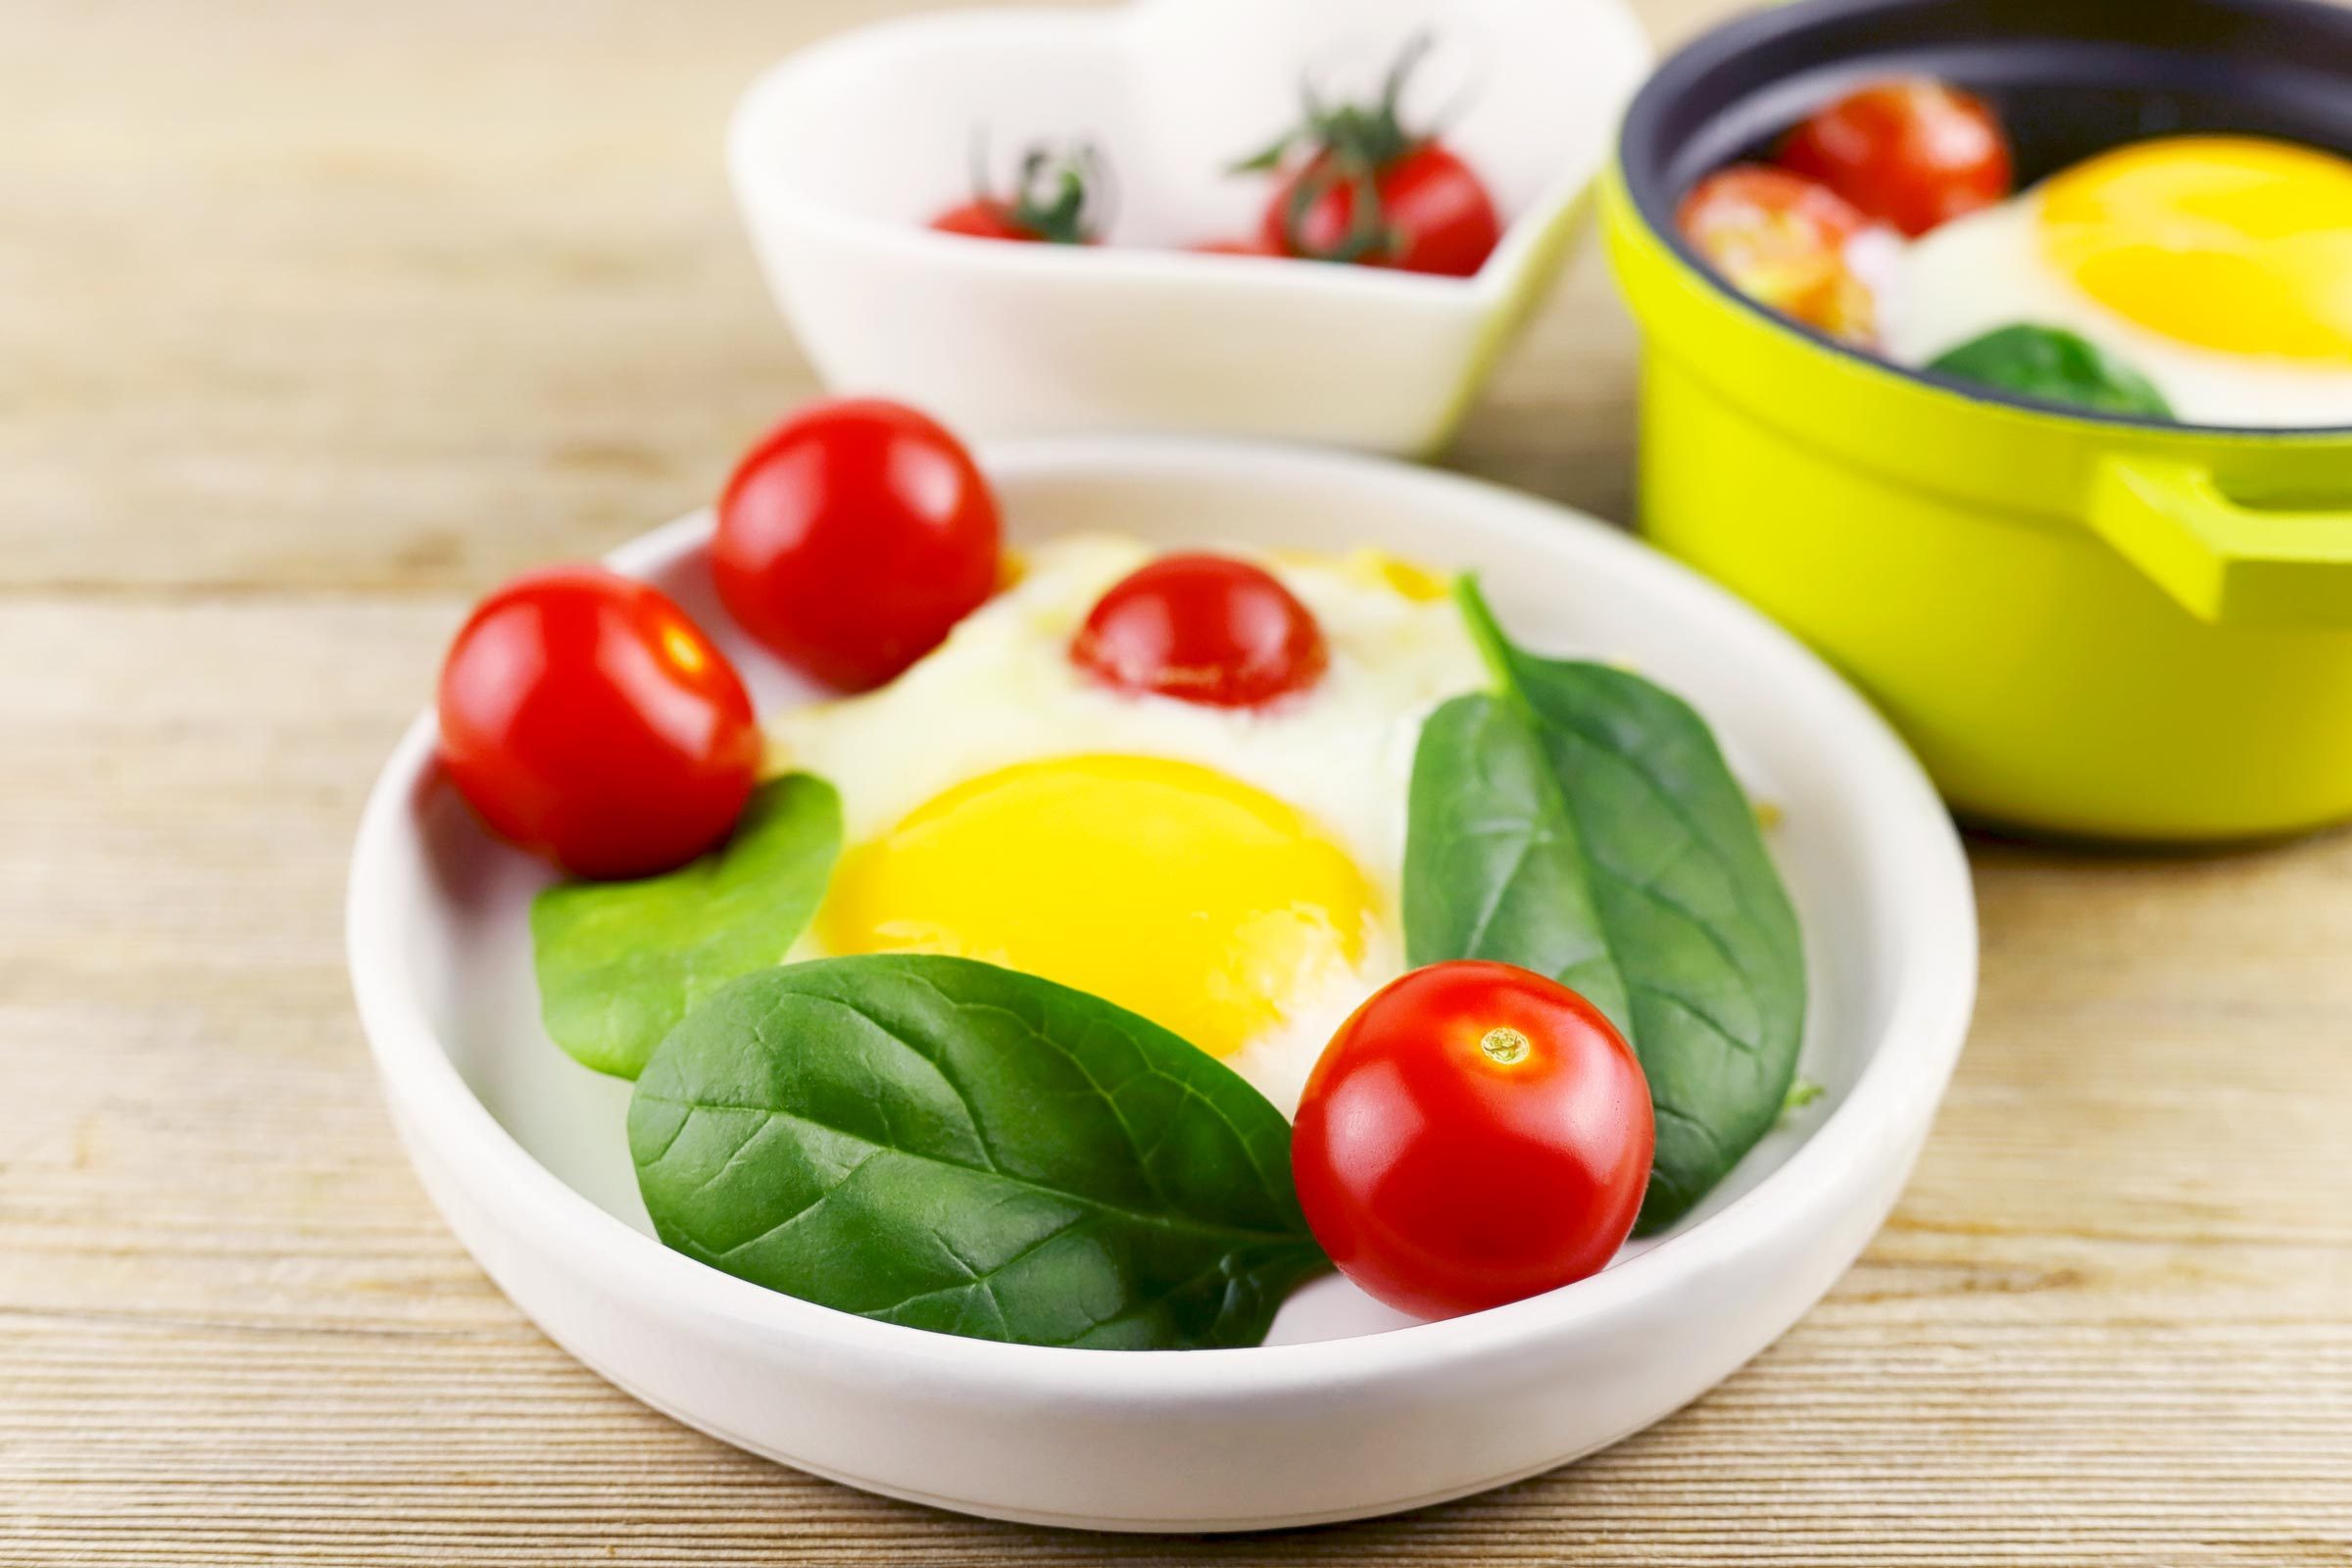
point(1347, 1412)
point(841, 152)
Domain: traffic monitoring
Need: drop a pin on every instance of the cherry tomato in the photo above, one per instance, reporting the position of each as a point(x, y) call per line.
point(853, 538)
point(1475, 1134)
point(1053, 201)
point(1781, 239)
point(1369, 191)
point(1429, 212)
point(1204, 629)
point(984, 220)
point(1912, 152)
point(587, 719)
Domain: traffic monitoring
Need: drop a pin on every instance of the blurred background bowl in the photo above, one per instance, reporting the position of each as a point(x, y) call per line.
point(841, 153)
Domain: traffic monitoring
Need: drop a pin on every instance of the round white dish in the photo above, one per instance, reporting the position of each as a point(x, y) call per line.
point(1349, 1411)
point(840, 154)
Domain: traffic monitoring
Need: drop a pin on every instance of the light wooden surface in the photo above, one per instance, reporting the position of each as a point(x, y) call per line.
point(315, 319)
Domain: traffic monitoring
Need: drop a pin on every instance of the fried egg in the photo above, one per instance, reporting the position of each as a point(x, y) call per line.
point(2218, 266)
point(1233, 875)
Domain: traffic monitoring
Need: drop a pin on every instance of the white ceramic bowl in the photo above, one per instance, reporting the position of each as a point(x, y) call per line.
point(1348, 1413)
point(843, 152)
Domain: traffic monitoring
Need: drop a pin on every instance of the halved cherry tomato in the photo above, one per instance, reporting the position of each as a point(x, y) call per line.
point(1781, 239)
point(1371, 192)
point(1204, 629)
point(1912, 152)
point(1473, 1135)
point(853, 538)
point(1053, 201)
point(586, 719)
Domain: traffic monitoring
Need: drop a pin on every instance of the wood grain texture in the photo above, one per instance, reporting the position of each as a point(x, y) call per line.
point(315, 319)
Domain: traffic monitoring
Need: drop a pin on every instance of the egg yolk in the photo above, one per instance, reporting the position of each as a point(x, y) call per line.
point(2230, 243)
point(1168, 888)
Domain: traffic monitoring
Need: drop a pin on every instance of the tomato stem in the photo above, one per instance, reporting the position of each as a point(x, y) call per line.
point(1347, 147)
point(1060, 194)
point(1505, 1046)
point(1493, 647)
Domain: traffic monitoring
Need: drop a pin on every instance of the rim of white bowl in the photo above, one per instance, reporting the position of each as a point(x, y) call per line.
point(1521, 235)
point(1899, 1086)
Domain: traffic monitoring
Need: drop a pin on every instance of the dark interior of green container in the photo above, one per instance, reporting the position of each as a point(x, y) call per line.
point(2069, 77)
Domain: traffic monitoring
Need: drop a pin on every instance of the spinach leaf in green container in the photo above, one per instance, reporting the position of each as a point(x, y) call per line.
point(950, 1145)
point(1639, 877)
point(2053, 365)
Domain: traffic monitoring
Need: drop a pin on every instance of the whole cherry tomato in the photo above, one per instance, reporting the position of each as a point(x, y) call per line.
point(1473, 1135)
point(1203, 628)
point(1912, 152)
point(853, 538)
point(1371, 192)
point(1423, 211)
point(587, 719)
point(1053, 201)
point(985, 220)
point(1781, 239)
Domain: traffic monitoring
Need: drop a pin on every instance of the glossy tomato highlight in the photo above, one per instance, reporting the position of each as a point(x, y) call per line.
point(586, 719)
point(1473, 1135)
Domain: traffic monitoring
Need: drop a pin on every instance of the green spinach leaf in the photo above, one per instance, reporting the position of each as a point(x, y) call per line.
point(620, 962)
point(948, 1144)
point(1494, 866)
point(2052, 366)
point(1681, 906)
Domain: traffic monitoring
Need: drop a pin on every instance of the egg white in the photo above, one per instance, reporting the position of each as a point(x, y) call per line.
point(1985, 270)
point(1001, 690)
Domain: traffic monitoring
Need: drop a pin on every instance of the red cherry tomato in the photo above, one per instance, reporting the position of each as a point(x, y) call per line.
point(1475, 1134)
point(1430, 212)
point(1782, 239)
point(983, 220)
point(1203, 628)
point(1053, 201)
point(587, 719)
point(1911, 151)
point(853, 538)
point(1365, 189)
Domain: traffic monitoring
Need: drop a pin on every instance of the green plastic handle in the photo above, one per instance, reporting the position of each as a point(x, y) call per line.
point(2226, 563)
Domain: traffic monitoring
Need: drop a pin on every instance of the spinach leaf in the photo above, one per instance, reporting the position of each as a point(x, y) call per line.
point(944, 1144)
point(1494, 866)
point(2052, 366)
point(620, 962)
point(1681, 906)
point(1801, 1093)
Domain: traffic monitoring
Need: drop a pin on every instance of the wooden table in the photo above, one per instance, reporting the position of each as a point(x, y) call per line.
point(317, 319)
